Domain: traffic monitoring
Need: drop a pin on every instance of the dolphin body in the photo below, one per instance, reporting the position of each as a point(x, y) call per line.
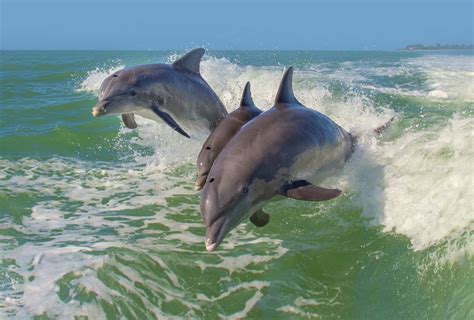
point(174, 93)
point(223, 133)
point(287, 150)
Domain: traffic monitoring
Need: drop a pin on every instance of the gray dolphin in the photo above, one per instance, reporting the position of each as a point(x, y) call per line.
point(286, 151)
point(223, 133)
point(175, 94)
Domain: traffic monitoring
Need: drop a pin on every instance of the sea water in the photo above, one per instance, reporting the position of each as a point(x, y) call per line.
point(99, 221)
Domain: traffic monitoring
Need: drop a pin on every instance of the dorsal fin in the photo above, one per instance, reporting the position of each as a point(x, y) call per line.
point(190, 61)
point(246, 100)
point(285, 92)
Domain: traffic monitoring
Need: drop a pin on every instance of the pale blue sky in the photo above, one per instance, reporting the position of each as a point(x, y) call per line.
point(245, 24)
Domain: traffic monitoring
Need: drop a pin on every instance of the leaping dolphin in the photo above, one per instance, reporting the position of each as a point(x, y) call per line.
point(287, 150)
point(175, 94)
point(223, 133)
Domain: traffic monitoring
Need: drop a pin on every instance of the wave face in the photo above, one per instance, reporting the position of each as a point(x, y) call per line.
point(101, 221)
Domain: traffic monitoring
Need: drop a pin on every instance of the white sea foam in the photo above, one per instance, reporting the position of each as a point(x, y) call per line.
point(401, 161)
point(40, 295)
point(95, 77)
point(449, 77)
point(103, 193)
point(419, 184)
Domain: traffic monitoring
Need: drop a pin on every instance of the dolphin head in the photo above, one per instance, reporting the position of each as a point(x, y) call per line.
point(122, 92)
point(230, 195)
point(224, 204)
point(247, 174)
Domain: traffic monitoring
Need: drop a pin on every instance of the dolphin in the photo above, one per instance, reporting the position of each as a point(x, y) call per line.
point(174, 93)
point(287, 150)
point(223, 133)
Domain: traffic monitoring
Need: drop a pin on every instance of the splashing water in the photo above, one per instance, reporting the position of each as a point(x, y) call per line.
point(102, 221)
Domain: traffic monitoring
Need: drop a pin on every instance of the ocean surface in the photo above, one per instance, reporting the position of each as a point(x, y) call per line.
point(98, 221)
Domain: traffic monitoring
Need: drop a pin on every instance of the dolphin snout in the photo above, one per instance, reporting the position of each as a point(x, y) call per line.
point(200, 181)
point(99, 109)
point(215, 234)
point(210, 246)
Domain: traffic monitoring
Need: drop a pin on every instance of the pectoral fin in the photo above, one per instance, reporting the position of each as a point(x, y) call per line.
point(169, 120)
point(260, 218)
point(129, 120)
point(303, 190)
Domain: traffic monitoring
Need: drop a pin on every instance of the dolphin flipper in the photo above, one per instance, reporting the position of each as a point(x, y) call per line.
point(129, 120)
point(260, 218)
point(169, 120)
point(303, 190)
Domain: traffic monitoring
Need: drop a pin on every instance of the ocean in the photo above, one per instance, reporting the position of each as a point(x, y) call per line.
point(102, 222)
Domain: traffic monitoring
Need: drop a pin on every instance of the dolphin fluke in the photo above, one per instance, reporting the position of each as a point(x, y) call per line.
point(285, 92)
point(191, 60)
point(246, 100)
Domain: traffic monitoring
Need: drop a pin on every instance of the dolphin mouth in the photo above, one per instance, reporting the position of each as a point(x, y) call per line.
point(210, 247)
point(215, 234)
point(200, 181)
point(99, 109)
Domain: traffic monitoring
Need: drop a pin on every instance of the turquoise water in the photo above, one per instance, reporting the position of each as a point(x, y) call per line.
point(99, 221)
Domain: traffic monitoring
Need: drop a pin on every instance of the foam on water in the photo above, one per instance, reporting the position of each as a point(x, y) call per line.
point(95, 77)
point(101, 218)
point(102, 197)
point(419, 184)
point(449, 78)
point(435, 155)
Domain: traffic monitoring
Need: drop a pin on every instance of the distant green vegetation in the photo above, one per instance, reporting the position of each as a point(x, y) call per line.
point(439, 47)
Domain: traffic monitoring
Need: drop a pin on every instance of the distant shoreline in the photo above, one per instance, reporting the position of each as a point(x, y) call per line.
point(438, 47)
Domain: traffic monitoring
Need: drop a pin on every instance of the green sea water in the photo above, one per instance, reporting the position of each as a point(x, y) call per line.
point(102, 222)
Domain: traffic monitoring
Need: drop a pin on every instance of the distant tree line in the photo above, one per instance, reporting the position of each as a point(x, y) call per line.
point(439, 46)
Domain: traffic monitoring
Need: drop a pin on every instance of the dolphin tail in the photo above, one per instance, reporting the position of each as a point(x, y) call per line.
point(377, 131)
point(382, 128)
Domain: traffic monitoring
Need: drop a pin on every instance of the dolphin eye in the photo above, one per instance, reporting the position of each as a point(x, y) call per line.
point(133, 93)
point(212, 180)
point(115, 75)
point(245, 190)
point(208, 147)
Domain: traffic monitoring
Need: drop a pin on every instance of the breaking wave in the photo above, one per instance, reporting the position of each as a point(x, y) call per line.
point(422, 172)
point(109, 234)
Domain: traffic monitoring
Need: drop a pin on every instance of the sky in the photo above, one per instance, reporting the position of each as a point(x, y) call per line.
point(231, 24)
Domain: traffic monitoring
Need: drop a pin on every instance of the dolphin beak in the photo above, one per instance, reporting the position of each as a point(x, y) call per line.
point(215, 234)
point(210, 246)
point(99, 109)
point(200, 181)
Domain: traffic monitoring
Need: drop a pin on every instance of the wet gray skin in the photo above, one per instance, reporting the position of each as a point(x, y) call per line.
point(222, 135)
point(284, 151)
point(174, 93)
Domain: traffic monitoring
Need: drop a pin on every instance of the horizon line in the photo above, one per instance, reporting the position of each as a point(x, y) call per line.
point(240, 49)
